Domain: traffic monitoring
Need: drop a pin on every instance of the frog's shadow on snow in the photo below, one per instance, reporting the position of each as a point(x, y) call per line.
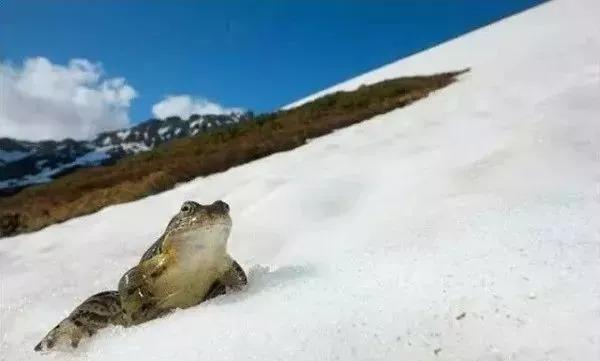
point(262, 278)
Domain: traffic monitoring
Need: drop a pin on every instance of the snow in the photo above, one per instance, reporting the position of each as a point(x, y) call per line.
point(94, 157)
point(372, 242)
point(164, 130)
point(40, 163)
point(196, 123)
point(506, 46)
point(45, 174)
point(12, 156)
point(124, 134)
point(133, 147)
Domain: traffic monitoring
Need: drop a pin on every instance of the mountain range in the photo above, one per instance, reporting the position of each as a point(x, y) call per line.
point(25, 163)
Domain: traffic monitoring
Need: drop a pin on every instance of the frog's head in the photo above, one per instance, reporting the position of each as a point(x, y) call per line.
point(203, 225)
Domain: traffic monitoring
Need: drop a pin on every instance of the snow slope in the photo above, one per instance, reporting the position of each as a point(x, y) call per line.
point(464, 227)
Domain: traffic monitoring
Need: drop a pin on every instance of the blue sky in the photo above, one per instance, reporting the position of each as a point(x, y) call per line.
point(253, 54)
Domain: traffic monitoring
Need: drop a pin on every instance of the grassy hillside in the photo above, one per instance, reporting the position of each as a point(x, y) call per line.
point(88, 190)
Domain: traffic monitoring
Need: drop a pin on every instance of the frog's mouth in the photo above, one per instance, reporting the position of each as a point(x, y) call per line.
point(207, 236)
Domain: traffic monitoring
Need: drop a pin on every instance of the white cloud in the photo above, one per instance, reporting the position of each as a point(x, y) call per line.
point(185, 105)
point(41, 100)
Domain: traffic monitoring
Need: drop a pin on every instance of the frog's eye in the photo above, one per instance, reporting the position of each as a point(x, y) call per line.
point(186, 208)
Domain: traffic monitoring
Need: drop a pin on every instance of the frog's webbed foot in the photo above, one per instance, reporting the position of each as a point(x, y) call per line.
point(100, 310)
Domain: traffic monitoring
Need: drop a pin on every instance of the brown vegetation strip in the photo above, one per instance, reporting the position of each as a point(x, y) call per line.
point(88, 190)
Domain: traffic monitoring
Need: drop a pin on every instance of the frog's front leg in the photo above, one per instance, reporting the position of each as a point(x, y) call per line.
point(234, 278)
point(132, 293)
point(137, 300)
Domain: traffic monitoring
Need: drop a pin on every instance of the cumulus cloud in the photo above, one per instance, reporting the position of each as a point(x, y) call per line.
point(42, 100)
point(185, 105)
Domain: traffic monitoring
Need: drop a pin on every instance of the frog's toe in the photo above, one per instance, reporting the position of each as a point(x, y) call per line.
point(75, 343)
point(46, 344)
point(65, 333)
point(39, 347)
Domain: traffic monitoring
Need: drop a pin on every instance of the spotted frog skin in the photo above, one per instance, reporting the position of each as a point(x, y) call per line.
point(187, 265)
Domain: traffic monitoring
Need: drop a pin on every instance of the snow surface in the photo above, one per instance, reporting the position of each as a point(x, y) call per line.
point(463, 227)
point(45, 174)
point(124, 134)
point(12, 156)
point(164, 130)
point(40, 163)
point(94, 157)
point(134, 147)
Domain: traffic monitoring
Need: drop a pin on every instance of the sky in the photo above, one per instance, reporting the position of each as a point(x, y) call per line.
point(74, 68)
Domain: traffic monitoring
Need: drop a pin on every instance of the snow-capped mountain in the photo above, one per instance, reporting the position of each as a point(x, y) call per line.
point(24, 163)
